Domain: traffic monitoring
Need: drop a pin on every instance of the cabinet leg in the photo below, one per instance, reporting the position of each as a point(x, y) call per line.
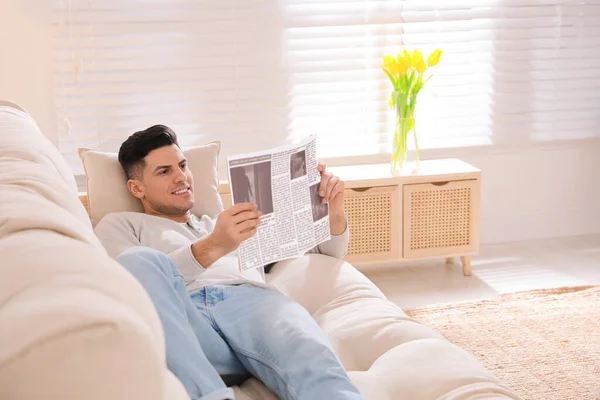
point(449, 260)
point(466, 264)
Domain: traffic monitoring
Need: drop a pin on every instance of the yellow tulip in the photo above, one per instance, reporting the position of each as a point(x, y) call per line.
point(403, 63)
point(390, 65)
point(418, 62)
point(407, 57)
point(434, 57)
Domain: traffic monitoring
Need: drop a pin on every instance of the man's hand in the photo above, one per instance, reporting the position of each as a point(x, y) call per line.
point(233, 226)
point(332, 191)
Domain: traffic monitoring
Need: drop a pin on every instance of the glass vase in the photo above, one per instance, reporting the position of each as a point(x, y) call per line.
point(405, 133)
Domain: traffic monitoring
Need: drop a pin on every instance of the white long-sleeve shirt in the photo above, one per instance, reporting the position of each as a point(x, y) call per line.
point(121, 231)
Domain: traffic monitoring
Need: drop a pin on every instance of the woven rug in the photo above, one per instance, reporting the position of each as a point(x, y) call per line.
point(545, 344)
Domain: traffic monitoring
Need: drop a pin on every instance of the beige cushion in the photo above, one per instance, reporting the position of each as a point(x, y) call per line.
point(106, 182)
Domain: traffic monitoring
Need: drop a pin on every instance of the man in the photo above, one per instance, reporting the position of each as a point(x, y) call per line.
point(220, 324)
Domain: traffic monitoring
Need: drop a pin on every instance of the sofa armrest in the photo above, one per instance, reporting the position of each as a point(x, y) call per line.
point(95, 360)
point(76, 325)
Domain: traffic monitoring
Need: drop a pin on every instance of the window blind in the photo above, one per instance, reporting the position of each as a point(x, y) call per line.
point(512, 70)
point(256, 74)
point(211, 70)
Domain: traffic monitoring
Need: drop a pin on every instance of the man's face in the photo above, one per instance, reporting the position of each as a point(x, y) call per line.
point(167, 185)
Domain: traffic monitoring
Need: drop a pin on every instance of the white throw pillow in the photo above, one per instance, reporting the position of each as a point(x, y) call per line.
point(107, 184)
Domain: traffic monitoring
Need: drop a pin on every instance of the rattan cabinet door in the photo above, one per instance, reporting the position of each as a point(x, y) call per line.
point(441, 219)
point(374, 222)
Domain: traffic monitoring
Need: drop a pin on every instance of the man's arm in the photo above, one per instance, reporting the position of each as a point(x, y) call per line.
point(233, 226)
point(336, 247)
point(188, 266)
point(116, 233)
point(331, 190)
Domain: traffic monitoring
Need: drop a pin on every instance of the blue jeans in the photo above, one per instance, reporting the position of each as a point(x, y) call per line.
point(221, 335)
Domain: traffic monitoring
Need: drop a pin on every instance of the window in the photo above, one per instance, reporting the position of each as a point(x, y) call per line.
point(210, 70)
point(512, 70)
point(256, 74)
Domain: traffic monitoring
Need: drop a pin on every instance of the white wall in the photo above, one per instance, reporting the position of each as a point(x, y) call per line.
point(529, 191)
point(540, 191)
point(25, 73)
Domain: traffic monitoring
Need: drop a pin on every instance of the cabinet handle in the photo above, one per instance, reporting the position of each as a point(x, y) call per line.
point(440, 183)
point(360, 190)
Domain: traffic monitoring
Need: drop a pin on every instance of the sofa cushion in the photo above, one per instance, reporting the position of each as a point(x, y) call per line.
point(106, 182)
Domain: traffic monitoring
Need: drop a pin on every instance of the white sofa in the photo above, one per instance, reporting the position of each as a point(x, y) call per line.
point(75, 325)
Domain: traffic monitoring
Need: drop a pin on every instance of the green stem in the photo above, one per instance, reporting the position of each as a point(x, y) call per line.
point(405, 104)
point(416, 146)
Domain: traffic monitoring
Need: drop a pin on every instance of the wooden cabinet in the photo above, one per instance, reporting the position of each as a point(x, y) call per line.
point(433, 213)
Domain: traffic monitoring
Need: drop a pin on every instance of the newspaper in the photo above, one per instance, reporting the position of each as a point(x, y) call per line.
point(284, 184)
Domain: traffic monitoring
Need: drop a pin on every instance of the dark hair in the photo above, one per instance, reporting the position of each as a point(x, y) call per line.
point(138, 145)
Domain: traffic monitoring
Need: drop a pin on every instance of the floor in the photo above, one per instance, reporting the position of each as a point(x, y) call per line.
point(498, 269)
